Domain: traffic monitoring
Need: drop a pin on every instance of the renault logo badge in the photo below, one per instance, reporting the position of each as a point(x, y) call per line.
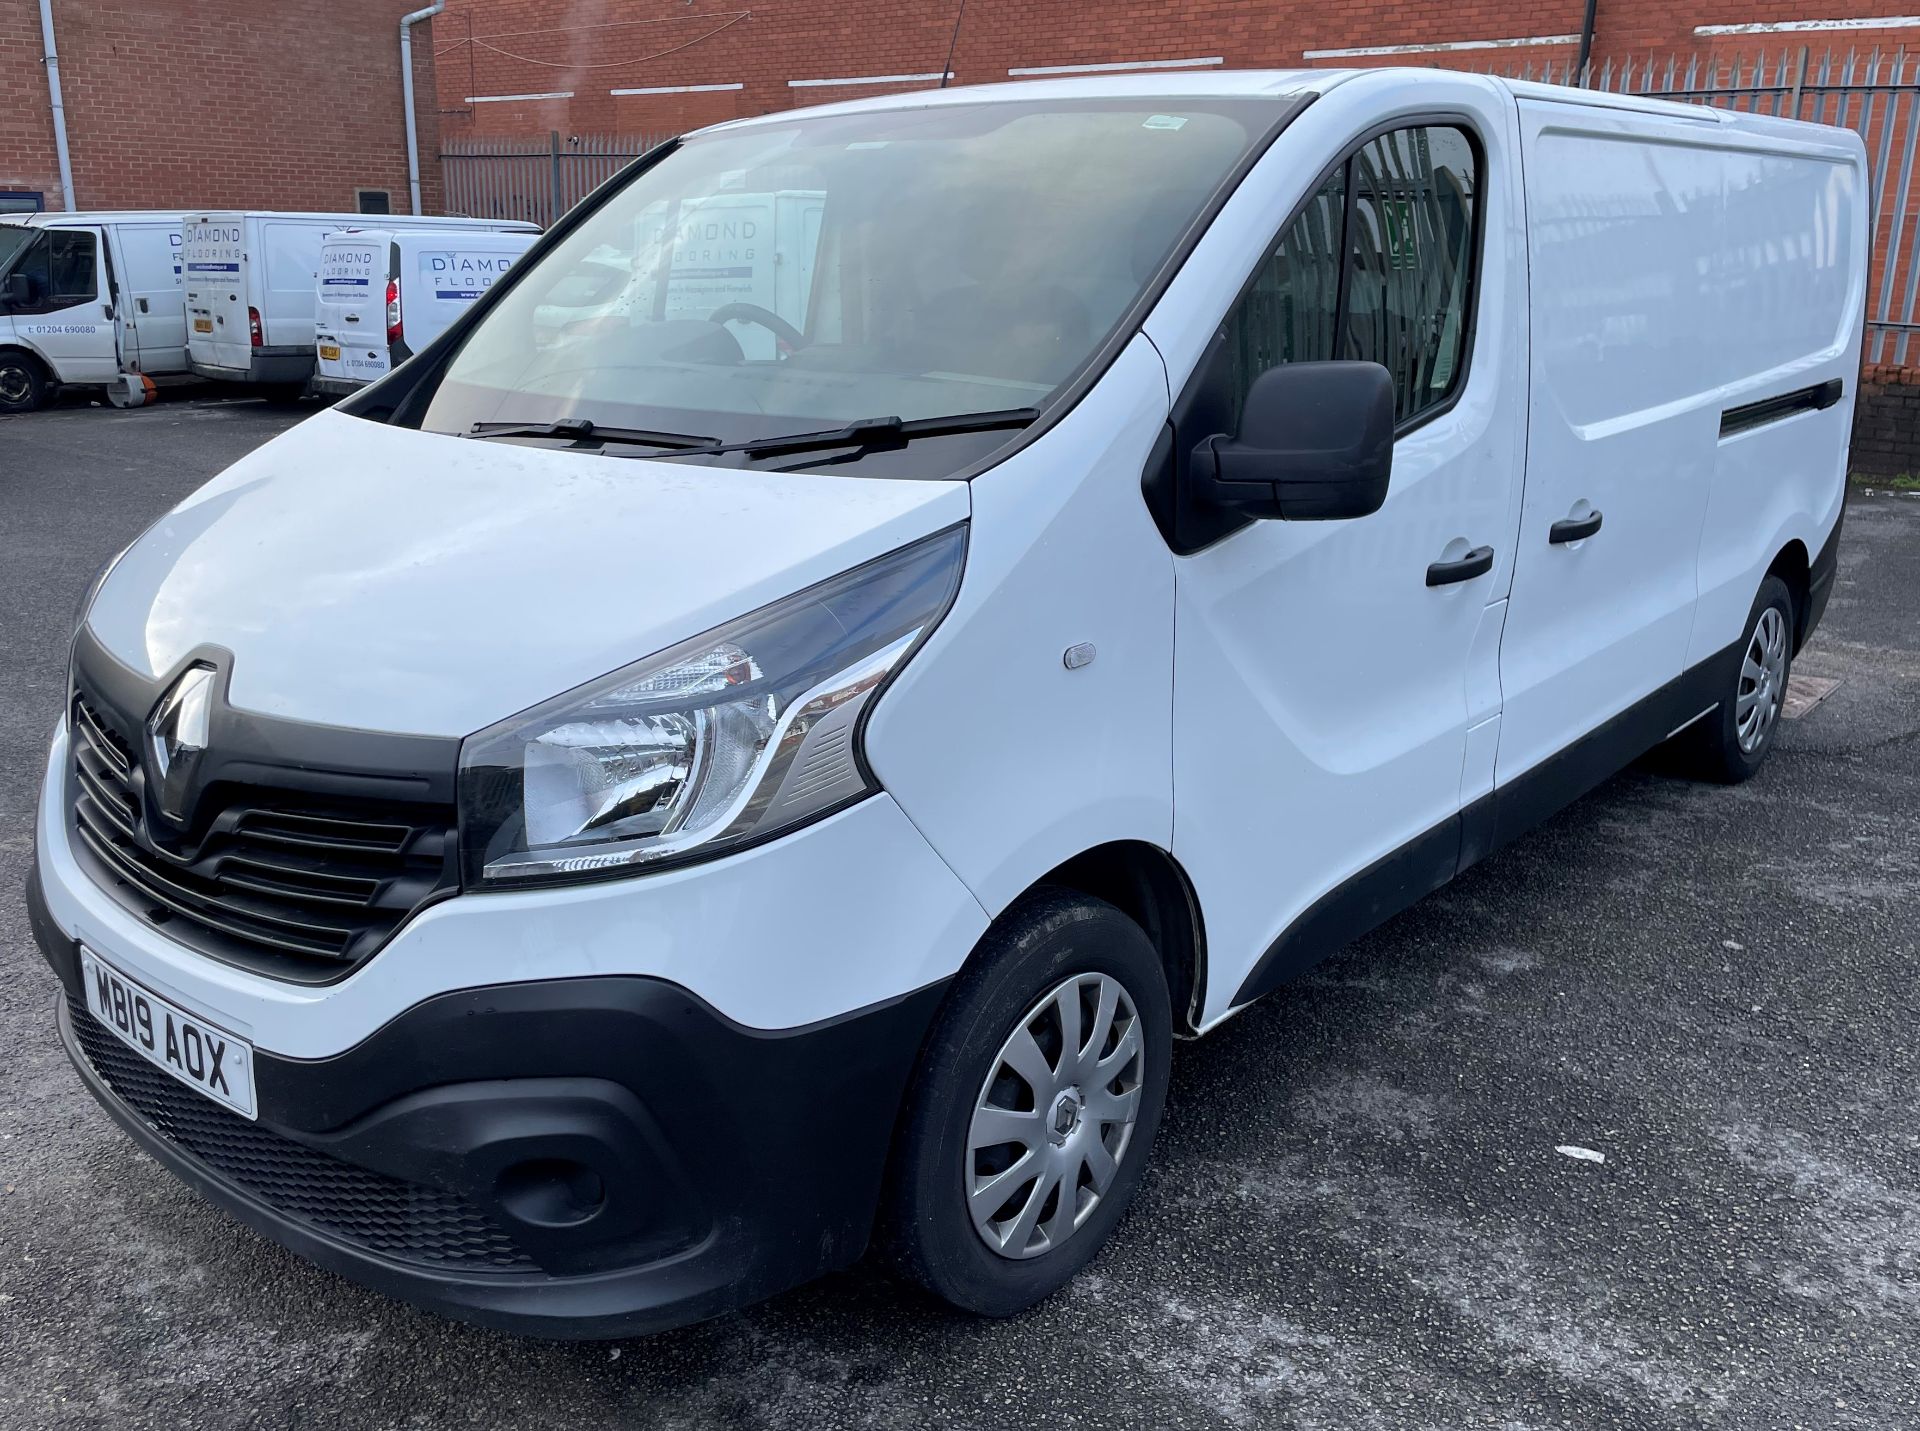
point(177, 737)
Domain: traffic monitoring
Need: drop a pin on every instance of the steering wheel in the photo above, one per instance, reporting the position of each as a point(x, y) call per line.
point(790, 336)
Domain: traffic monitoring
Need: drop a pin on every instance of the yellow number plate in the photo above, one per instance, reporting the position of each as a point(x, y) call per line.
point(203, 325)
point(330, 351)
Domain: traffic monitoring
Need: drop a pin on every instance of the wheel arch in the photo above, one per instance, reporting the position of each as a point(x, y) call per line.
point(1148, 885)
point(1793, 567)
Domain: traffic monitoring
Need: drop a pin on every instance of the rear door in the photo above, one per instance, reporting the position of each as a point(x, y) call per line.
point(212, 251)
point(67, 314)
point(285, 280)
point(350, 330)
point(1623, 211)
point(152, 297)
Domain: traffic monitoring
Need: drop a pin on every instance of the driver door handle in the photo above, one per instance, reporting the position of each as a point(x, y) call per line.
point(1573, 529)
point(1477, 562)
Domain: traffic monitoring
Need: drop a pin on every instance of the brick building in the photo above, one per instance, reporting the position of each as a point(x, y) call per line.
point(181, 103)
point(527, 67)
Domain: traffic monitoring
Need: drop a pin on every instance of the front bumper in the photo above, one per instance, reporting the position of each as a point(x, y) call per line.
point(569, 1158)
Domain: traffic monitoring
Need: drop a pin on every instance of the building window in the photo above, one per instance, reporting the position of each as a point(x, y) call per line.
point(22, 201)
point(374, 201)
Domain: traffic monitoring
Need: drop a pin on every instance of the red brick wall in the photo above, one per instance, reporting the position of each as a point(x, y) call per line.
point(498, 47)
point(1886, 421)
point(209, 103)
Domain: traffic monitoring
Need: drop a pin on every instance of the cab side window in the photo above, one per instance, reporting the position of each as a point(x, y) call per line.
point(1290, 313)
point(1411, 261)
point(1378, 266)
point(60, 269)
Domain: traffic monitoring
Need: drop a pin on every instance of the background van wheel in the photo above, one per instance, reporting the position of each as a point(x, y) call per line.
point(23, 383)
point(1730, 743)
point(1034, 1107)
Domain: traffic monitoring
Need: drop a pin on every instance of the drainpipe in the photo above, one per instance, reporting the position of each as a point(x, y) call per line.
point(59, 109)
point(1586, 45)
point(407, 22)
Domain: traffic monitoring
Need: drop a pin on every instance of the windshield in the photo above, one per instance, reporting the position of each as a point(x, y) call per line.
point(13, 238)
point(800, 276)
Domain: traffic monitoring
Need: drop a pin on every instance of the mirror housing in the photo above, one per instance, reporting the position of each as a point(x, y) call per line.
point(20, 290)
point(1315, 445)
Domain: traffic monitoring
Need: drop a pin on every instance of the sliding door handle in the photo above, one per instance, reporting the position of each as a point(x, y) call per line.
point(1477, 562)
point(1573, 529)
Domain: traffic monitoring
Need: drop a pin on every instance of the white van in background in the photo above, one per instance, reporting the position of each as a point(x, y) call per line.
point(384, 294)
point(650, 813)
point(753, 253)
point(86, 298)
point(250, 285)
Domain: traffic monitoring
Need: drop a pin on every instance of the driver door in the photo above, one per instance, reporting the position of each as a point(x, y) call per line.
point(66, 313)
point(1336, 684)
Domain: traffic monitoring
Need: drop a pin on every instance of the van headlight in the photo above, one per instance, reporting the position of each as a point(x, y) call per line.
point(719, 742)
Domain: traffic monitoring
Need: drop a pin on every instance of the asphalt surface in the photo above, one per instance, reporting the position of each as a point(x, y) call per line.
point(1356, 1216)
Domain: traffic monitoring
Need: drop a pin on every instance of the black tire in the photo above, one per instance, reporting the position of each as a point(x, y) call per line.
point(1711, 747)
point(1045, 940)
point(23, 382)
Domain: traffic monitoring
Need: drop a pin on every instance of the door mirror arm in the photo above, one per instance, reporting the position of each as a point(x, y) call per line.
point(1315, 445)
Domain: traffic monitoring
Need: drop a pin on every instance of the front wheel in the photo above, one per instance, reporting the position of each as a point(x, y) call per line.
point(1034, 1108)
point(1730, 743)
point(23, 383)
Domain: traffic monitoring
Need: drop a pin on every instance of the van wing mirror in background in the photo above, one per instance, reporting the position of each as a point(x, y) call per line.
point(1315, 445)
point(21, 290)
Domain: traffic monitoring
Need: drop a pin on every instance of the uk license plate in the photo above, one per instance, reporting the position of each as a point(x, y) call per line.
point(209, 1060)
point(330, 352)
point(203, 325)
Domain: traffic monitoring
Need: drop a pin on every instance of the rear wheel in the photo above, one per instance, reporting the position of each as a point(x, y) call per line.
point(1034, 1107)
point(1730, 743)
point(23, 382)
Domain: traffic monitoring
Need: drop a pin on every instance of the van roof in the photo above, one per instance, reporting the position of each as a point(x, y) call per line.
point(55, 218)
point(1118, 84)
point(346, 220)
point(1213, 83)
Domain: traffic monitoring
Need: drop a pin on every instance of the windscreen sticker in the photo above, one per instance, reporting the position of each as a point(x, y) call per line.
point(460, 276)
point(1163, 121)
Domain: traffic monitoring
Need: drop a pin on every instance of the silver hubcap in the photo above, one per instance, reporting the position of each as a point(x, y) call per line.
point(14, 383)
point(1054, 1117)
point(1763, 680)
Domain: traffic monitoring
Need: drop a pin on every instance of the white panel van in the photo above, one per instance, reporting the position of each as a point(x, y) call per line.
point(85, 298)
point(383, 294)
point(648, 813)
point(250, 286)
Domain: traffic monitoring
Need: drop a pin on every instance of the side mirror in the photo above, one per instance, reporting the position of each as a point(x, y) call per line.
point(1315, 445)
point(22, 290)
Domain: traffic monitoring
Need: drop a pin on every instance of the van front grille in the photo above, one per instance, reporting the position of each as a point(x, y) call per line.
point(284, 882)
point(403, 1220)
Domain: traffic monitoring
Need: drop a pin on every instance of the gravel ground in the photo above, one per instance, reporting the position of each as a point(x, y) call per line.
point(1356, 1218)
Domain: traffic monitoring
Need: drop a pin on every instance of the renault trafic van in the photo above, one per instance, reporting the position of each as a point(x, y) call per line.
point(385, 293)
point(595, 829)
point(85, 299)
point(251, 284)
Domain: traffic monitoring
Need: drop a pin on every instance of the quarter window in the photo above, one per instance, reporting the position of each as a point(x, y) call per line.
point(1377, 266)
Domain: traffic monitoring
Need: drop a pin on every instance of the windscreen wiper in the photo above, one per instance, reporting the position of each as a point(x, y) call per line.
point(871, 432)
point(581, 429)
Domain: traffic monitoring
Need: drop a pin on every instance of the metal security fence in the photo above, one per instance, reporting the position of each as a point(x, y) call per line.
point(1875, 94)
point(532, 179)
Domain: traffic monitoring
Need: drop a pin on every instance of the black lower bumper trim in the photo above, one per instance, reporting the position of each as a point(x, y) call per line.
point(605, 1156)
